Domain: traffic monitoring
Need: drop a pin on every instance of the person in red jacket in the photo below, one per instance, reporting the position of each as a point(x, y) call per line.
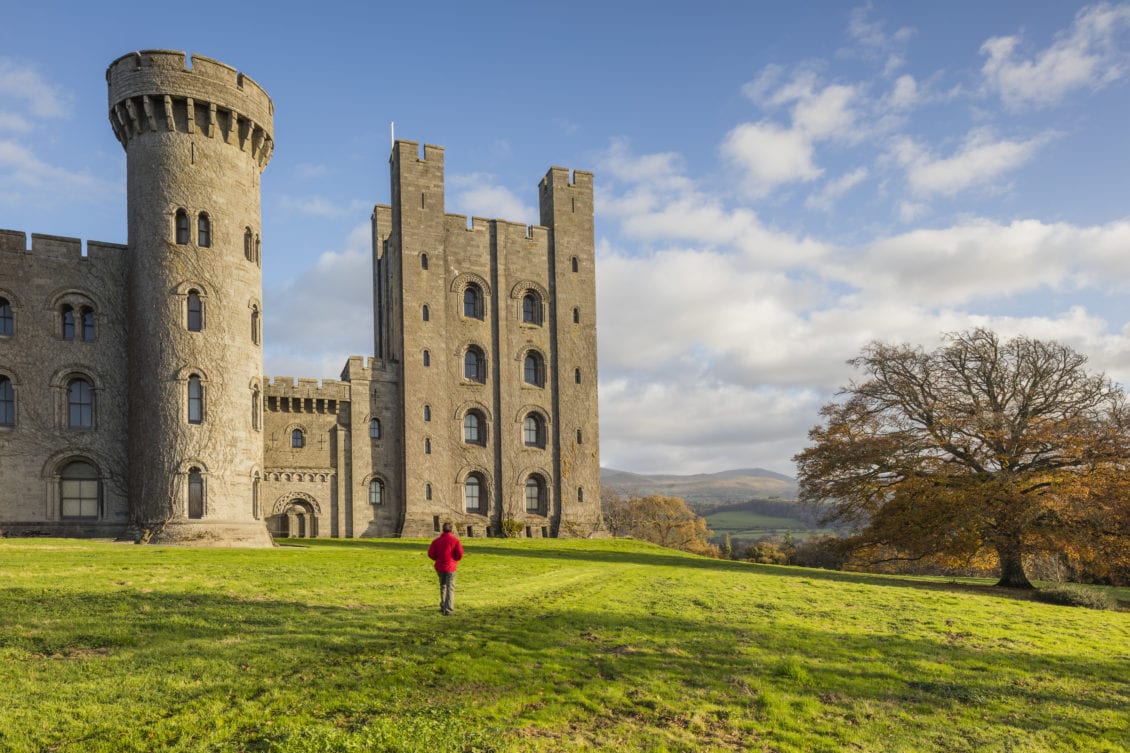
point(446, 550)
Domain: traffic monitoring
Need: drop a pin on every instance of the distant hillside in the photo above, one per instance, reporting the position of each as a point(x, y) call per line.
point(703, 489)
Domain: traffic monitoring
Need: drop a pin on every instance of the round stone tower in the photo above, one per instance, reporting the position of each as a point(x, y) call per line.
point(197, 136)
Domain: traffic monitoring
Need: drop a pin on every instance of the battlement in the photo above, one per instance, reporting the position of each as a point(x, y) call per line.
point(520, 231)
point(404, 151)
point(156, 90)
point(454, 222)
point(558, 177)
point(58, 247)
point(325, 389)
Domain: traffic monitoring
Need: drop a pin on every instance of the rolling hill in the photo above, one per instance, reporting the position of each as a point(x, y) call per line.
point(703, 490)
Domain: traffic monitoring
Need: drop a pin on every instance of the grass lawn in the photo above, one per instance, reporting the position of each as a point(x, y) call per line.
point(555, 646)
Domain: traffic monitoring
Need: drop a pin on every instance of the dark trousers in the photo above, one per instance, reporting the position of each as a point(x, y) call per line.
point(446, 592)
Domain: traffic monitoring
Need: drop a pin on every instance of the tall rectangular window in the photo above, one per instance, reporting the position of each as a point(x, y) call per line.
point(195, 400)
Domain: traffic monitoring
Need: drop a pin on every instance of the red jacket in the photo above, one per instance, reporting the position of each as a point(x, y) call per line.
point(446, 550)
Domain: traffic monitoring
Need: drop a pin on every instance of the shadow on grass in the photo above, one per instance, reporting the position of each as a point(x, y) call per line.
point(345, 667)
point(627, 551)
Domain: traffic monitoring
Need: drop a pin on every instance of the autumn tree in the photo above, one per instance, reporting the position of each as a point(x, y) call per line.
point(979, 446)
point(666, 521)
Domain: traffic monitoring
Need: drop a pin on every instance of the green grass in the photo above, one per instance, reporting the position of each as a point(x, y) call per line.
point(751, 525)
point(556, 646)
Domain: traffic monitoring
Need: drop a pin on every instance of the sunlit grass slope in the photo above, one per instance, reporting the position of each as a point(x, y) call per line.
point(555, 646)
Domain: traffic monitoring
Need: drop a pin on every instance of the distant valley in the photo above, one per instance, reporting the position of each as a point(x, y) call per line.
point(747, 504)
point(703, 490)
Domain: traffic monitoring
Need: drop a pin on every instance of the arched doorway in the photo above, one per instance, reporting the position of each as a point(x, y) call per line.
point(296, 520)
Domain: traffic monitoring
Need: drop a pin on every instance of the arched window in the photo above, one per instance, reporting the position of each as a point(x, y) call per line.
point(474, 428)
point(580, 494)
point(576, 315)
point(195, 494)
point(255, 325)
point(7, 402)
point(80, 404)
point(255, 496)
point(534, 371)
point(535, 495)
point(7, 320)
point(423, 261)
point(79, 490)
point(376, 492)
point(427, 446)
point(427, 358)
point(473, 302)
point(255, 412)
point(297, 439)
point(580, 437)
point(427, 491)
point(203, 230)
point(68, 323)
point(531, 308)
point(195, 400)
point(182, 227)
point(374, 428)
point(474, 497)
point(427, 413)
point(474, 365)
point(427, 315)
point(195, 311)
point(575, 264)
point(577, 376)
point(248, 247)
point(533, 431)
point(88, 325)
point(258, 257)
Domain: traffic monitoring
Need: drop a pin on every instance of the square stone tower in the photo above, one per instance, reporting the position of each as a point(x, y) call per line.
point(485, 344)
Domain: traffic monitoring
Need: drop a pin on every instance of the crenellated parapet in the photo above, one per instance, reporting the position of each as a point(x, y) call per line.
point(306, 389)
point(58, 248)
point(156, 90)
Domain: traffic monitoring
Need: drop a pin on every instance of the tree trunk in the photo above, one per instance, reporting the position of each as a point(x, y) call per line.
point(1012, 566)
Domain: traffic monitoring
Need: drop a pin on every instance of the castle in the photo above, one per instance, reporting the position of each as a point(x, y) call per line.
point(132, 395)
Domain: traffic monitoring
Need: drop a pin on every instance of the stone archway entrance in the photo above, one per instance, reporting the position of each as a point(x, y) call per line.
point(295, 521)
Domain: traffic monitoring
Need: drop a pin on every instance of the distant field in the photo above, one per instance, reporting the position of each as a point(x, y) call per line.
point(751, 525)
point(556, 646)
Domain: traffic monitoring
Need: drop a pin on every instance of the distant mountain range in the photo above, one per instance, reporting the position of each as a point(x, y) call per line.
point(703, 489)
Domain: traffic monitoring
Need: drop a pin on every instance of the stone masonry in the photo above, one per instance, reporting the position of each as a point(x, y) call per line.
point(132, 400)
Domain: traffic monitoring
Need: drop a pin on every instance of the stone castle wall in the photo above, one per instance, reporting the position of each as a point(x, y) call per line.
point(185, 442)
point(42, 358)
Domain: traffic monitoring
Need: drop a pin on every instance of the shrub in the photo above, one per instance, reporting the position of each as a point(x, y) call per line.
point(827, 552)
point(511, 528)
point(1076, 596)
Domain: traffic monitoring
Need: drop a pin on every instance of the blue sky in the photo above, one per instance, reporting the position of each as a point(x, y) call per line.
point(777, 183)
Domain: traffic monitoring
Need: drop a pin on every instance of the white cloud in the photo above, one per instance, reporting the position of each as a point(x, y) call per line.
point(905, 93)
point(20, 167)
point(826, 198)
point(1089, 55)
point(14, 123)
point(478, 195)
point(494, 202)
point(325, 311)
point(981, 159)
point(770, 156)
point(25, 85)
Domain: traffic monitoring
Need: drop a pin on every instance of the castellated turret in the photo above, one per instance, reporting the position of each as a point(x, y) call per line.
point(197, 136)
